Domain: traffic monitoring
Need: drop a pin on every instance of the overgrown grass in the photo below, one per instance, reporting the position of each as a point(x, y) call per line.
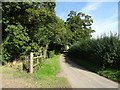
point(45, 76)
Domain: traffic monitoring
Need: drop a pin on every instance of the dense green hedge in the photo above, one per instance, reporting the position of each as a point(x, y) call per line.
point(104, 51)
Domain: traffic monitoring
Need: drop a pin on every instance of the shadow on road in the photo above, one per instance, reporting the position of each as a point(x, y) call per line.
point(72, 64)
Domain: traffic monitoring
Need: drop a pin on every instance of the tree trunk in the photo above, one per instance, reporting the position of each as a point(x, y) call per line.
point(41, 52)
point(45, 51)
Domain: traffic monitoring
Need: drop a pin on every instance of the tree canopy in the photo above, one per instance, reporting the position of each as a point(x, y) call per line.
point(80, 25)
point(34, 26)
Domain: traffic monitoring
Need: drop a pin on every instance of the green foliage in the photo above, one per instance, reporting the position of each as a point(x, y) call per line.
point(104, 51)
point(25, 27)
point(79, 25)
point(15, 43)
point(37, 67)
point(51, 54)
point(34, 27)
point(110, 74)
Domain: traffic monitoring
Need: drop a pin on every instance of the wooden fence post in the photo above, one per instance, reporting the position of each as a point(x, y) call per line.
point(26, 62)
point(31, 62)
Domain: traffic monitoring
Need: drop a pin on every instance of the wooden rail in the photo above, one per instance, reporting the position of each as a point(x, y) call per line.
point(37, 57)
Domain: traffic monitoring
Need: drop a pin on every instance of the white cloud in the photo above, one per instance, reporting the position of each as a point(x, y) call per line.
point(91, 6)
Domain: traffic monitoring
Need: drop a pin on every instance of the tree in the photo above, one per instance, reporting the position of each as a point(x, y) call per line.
point(23, 19)
point(15, 36)
point(60, 34)
point(34, 26)
point(40, 19)
point(52, 33)
point(16, 42)
point(80, 26)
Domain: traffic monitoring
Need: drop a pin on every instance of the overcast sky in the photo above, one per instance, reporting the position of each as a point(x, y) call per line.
point(104, 14)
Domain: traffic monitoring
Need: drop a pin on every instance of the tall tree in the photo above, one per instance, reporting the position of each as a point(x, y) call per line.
point(23, 19)
point(40, 19)
point(15, 36)
point(80, 25)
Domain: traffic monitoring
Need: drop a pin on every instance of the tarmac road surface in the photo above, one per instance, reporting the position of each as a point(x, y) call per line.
point(81, 78)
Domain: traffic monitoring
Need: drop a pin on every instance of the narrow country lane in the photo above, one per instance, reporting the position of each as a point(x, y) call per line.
point(81, 78)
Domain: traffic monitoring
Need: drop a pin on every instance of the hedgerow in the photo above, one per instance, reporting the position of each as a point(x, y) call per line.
point(104, 51)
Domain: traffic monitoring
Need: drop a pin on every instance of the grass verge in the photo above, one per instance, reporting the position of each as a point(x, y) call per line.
point(43, 78)
point(108, 73)
point(49, 67)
